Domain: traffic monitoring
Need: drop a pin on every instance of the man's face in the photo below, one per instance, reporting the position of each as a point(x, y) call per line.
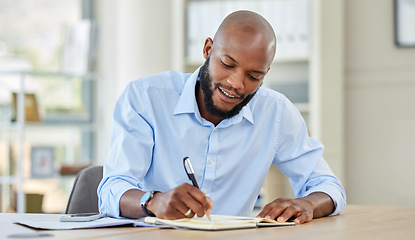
point(234, 70)
point(208, 85)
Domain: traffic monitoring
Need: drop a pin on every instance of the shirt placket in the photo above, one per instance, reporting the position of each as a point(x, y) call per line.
point(211, 159)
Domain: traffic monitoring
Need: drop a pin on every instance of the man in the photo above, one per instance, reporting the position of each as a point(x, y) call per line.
point(230, 127)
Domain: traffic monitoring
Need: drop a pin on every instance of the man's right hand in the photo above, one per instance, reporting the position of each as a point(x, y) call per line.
point(175, 203)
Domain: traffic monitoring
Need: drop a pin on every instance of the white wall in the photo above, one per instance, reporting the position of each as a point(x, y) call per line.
point(327, 80)
point(379, 107)
point(134, 42)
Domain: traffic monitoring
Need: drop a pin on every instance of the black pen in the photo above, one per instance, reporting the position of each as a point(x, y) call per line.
point(191, 174)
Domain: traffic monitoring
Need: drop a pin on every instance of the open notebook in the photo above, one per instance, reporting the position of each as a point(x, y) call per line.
point(219, 222)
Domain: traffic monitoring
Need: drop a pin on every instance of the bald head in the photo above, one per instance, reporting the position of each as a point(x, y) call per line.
point(248, 25)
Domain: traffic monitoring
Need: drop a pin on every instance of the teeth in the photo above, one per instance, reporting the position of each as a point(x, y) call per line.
point(227, 94)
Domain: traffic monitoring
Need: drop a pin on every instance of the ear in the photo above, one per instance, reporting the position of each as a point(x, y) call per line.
point(207, 48)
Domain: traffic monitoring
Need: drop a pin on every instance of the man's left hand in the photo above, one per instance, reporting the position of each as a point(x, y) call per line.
point(301, 209)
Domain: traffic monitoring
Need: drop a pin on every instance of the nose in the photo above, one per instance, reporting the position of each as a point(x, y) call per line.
point(236, 81)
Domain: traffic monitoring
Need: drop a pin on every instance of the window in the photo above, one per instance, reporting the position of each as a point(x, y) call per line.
point(33, 42)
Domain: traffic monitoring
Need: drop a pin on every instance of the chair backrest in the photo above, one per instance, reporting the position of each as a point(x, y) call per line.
point(83, 198)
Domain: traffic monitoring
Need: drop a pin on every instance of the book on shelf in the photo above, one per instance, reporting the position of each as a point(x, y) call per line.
point(30, 107)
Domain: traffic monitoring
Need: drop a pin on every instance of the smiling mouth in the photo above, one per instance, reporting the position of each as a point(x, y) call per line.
point(227, 94)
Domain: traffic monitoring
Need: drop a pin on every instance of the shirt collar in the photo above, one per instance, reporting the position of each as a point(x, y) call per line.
point(187, 103)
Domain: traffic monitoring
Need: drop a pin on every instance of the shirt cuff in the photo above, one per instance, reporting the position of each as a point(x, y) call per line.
point(111, 195)
point(336, 194)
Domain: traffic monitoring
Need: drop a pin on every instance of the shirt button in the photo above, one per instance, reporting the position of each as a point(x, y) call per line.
point(210, 160)
point(214, 130)
point(205, 191)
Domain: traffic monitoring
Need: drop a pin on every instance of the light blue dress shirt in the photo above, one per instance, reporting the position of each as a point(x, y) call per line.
point(156, 123)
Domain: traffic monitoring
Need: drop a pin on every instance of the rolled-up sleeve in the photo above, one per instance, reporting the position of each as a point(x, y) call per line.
point(299, 157)
point(323, 180)
point(129, 157)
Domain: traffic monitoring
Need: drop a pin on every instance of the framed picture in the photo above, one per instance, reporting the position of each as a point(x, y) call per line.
point(404, 14)
point(42, 159)
point(30, 105)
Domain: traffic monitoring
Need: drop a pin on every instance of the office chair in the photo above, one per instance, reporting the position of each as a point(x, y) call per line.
point(84, 198)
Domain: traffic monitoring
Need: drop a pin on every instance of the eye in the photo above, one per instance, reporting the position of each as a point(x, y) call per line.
point(226, 65)
point(254, 78)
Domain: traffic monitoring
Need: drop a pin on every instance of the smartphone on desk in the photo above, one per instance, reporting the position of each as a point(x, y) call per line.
point(82, 217)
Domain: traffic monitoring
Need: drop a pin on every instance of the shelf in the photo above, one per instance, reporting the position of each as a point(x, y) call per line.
point(7, 180)
point(67, 127)
point(85, 126)
point(71, 170)
point(86, 76)
point(7, 127)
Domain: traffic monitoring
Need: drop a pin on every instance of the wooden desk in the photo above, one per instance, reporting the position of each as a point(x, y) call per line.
point(355, 222)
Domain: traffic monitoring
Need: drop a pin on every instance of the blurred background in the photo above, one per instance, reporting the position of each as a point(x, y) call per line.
point(348, 66)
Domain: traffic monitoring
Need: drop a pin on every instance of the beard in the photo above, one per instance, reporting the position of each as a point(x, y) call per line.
point(207, 89)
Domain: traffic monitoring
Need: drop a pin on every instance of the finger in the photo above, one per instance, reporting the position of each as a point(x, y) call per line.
point(202, 204)
point(303, 218)
point(264, 211)
point(272, 210)
point(209, 206)
point(180, 200)
point(288, 213)
point(196, 206)
point(177, 205)
point(181, 211)
point(172, 214)
point(189, 213)
point(190, 196)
